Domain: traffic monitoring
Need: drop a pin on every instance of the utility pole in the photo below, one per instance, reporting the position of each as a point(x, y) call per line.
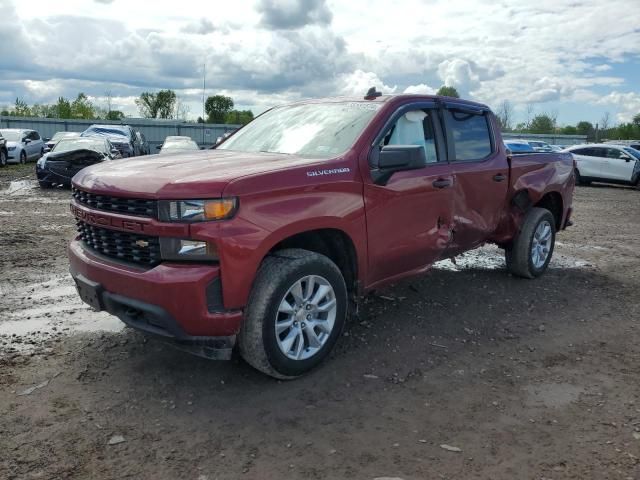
point(204, 76)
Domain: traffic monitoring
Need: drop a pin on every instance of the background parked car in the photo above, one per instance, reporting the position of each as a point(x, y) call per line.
point(519, 147)
point(50, 142)
point(606, 163)
point(176, 145)
point(22, 145)
point(539, 146)
point(69, 156)
point(123, 137)
point(145, 148)
point(3, 151)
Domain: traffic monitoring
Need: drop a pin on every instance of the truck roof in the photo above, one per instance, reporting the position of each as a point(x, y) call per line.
point(390, 97)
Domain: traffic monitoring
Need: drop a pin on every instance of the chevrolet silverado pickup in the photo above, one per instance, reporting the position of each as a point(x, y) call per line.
point(268, 241)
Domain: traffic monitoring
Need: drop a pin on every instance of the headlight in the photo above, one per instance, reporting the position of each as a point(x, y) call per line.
point(11, 149)
point(40, 162)
point(185, 250)
point(198, 210)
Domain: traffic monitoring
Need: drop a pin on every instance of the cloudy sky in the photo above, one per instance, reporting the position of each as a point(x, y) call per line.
point(578, 59)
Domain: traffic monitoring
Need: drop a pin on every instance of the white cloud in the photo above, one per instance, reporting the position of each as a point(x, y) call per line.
point(264, 52)
point(422, 88)
point(359, 82)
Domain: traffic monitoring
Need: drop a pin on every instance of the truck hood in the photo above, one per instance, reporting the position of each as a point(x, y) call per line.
point(198, 174)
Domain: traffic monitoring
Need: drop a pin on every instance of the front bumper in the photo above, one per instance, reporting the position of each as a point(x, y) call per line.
point(169, 300)
point(46, 175)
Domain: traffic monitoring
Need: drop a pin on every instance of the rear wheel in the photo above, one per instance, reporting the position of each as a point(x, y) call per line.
point(23, 157)
point(532, 249)
point(296, 312)
point(3, 158)
point(580, 180)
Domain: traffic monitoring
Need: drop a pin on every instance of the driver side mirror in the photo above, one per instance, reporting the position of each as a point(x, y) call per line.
point(625, 157)
point(46, 139)
point(397, 158)
point(47, 149)
point(26, 140)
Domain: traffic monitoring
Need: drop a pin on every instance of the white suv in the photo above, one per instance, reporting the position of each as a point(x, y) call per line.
point(606, 163)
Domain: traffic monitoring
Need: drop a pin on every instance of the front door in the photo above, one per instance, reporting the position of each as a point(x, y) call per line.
point(409, 218)
point(619, 165)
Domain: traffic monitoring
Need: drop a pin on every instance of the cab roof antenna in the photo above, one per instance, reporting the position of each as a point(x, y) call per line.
point(372, 94)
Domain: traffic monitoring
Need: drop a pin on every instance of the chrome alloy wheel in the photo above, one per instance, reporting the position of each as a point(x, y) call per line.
point(305, 318)
point(541, 244)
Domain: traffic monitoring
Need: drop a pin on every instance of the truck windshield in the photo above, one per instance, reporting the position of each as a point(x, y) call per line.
point(321, 130)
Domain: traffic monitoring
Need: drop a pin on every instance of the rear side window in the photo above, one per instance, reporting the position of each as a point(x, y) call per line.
point(471, 136)
point(599, 152)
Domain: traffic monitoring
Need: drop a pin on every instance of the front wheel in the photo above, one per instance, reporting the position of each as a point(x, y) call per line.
point(532, 249)
point(3, 158)
point(44, 184)
point(296, 312)
point(23, 157)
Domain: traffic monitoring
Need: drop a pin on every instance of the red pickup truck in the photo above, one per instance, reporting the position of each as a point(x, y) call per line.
point(269, 240)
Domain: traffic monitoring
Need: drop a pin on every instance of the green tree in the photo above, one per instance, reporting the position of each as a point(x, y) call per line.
point(569, 130)
point(585, 128)
point(21, 109)
point(82, 107)
point(636, 119)
point(448, 92)
point(114, 115)
point(541, 124)
point(63, 108)
point(217, 107)
point(239, 117)
point(157, 105)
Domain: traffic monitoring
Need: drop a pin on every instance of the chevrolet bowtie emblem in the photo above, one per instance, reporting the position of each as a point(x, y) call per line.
point(142, 243)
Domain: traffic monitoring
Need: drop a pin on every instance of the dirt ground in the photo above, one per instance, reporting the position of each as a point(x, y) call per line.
point(525, 379)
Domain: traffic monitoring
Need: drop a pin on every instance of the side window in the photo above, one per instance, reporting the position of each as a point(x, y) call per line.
point(599, 152)
point(613, 153)
point(470, 132)
point(34, 136)
point(414, 128)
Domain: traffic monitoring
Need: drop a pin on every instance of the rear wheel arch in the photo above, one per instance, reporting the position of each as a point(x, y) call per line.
point(553, 202)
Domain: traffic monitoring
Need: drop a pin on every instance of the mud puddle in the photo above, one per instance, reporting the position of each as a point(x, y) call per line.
point(50, 308)
point(490, 257)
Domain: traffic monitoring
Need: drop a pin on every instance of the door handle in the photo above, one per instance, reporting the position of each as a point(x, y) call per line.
point(499, 177)
point(441, 183)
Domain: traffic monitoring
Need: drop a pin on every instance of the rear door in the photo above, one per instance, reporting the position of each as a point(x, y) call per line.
point(589, 162)
point(409, 217)
point(619, 165)
point(481, 176)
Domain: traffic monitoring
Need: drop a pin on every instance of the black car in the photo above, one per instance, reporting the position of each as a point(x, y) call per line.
point(123, 137)
point(69, 156)
point(3, 151)
point(49, 143)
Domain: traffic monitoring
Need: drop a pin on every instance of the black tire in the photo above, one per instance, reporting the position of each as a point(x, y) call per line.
point(519, 255)
point(23, 157)
point(44, 184)
point(257, 340)
point(3, 158)
point(41, 152)
point(580, 180)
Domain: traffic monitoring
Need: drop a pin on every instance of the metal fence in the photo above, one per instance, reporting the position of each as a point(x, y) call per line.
point(155, 131)
point(551, 138)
